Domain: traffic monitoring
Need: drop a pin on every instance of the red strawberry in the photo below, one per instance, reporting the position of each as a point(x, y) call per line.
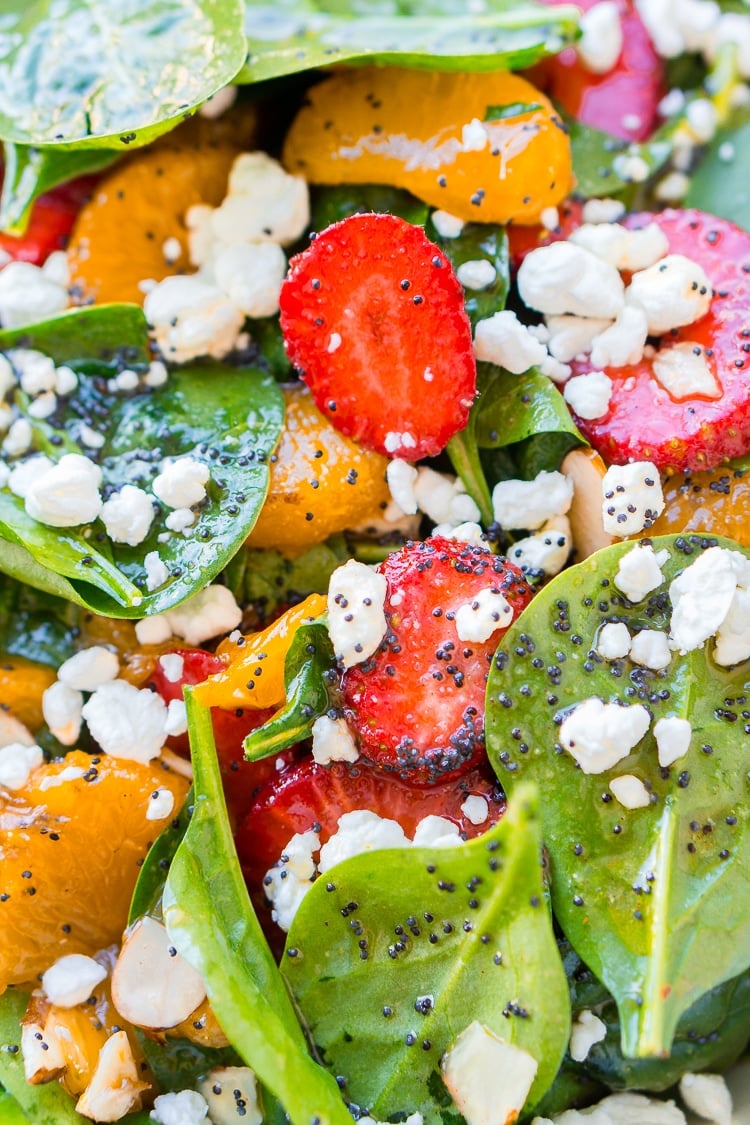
point(644, 422)
point(306, 795)
point(417, 705)
point(373, 316)
point(51, 222)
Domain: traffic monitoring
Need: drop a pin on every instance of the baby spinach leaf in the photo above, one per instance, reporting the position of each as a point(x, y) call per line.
point(511, 408)
point(10, 1111)
point(212, 923)
point(479, 242)
point(394, 953)
point(332, 204)
point(153, 874)
point(35, 624)
point(268, 579)
point(30, 171)
point(599, 160)
point(654, 900)
point(308, 670)
point(89, 75)
point(719, 184)
point(300, 36)
point(228, 418)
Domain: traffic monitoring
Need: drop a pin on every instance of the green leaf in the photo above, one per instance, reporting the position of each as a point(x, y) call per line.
point(44, 1105)
point(229, 418)
point(332, 204)
point(10, 1111)
point(300, 36)
point(76, 73)
point(36, 625)
point(595, 158)
point(512, 109)
point(268, 579)
point(720, 186)
point(153, 874)
point(654, 900)
point(350, 964)
point(512, 408)
point(31, 171)
point(212, 923)
point(308, 669)
point(477, 242)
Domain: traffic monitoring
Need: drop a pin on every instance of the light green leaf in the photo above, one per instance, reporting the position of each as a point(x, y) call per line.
point(29, 172)
point(720, 184)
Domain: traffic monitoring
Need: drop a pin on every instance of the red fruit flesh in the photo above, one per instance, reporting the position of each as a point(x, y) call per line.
point(417, 705)
point(373, 316)
point(644, 422)
point(52, 219)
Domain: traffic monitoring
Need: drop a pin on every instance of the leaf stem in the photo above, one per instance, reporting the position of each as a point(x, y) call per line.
point(464, 455)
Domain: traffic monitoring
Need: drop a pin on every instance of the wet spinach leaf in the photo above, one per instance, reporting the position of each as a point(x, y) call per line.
point(153, 874)
point(86, 75)
point(600, 160)
point(350, 965)
point(211, 921)
point(479, 242)
point(655, 899)
point(302, 35)
point(35, 624)
point(30, 171)
point(268, 579)
point(228, 418)
point(332, 204)
point(719, 185)
point(512, 408)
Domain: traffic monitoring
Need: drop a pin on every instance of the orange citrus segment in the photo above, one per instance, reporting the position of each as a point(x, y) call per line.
point(22, 684)
point(715, 501)
point(487, 147)
point(321, 481)
point(71, 845)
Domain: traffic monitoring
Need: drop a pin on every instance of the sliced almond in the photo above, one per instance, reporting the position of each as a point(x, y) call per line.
point(42, 1058)
point(587, 470)
point(115, 1088)
point(488, 1078)
point(152, 985)
point(229, 1089)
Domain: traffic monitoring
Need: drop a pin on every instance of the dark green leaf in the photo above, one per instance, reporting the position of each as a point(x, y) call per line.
point(543, 452)
point(307, 670)
point(268, 579)
point(659, 943)
point(229, 418)
point(83, 74)
point(513, 109)
point(721, 186)
point(35, 624)
point(477, 242)
point(31, 171)
point(211, 921)
point(596, 166)
point(342, 996)
point(511, 408)
point(507, 34)
point(153, 874)
point(271, 355)
point(332, 204)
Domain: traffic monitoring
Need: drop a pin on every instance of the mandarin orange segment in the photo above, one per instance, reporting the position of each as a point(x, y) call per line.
point(485, 147)
point(321, 482)
point(71, 846)
point(715, 501)
point(119, 237)
point(22, 684)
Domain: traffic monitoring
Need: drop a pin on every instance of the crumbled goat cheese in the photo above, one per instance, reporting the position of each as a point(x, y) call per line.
point(395, 442)
point(478, 274)
point(356, 615)
point(124, 381)
point(631, 167)
point(632, 498)
point(672, 739)
point(157, 374)
point(43, 406)
point(161, 801)
point(650, 649)
point(333, 741)
point(622, 248)
point(61, 708)
point(153, 630)
point(673, 293)
point(672, 188)
point(488, 1078)
point(157, 571)
point(182, 482)
point(546, 551)
point(600, 44)
point(402, 477)
point(172, 250)
point(358, 832)
point(475, 809)
point(19, 438)
point(436, 832)
point(176, 720)
point(565, 278)
point(126, 721)
point(180, 519)
point(702, 119)
point(684, 371)
point(623, 342)
point(444, 498)
point(184, 1108)
point(263, 203)
point(27, 295)
point(229, 1089)
point(474, 136)
point(250, 274)
point(172, 665)
point(598, 735)
point(639, 572)
point(468, 532)
point(447, 225)
point(588, 395)
point(17, 763)
point(128, 515)
point(550, 216)
point(36, 371)
point(707, 1095)
point(478, 619)
point(530, 503)
point(503, 340)
point(191, 318)
point(603, 210)
point(733, 635)
point(620, 1109)
point(90, 438)
point(586, 1031)
point(287, 883)
point(702, 595)
point(613, 641)
point(218, 104)
point(630, 791)
point(72, 979)
point(68, 493)
point(733, 29)
point(571, 336)
point(25, 473)
point(90, 668)
point(209, 613)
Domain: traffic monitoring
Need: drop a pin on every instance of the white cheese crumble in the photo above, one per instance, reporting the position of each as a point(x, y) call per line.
point(474, 136)
point(630, 791)
point(650, 649)
point(217, 104)
point(702, 595)
point(573, 336)
point(356, 614)
point(191, 318)
point(673, 293)
point(565, 278)
point(128, 515)
point(622, 248)
point(182, 482)
point(287, 883)
point(18, 438)
point(478, 619)
point(639, 572)
point(176, 721)
point(172, 665)
point(623, 342)
point(599, 735)
point(684, 371)
point(126, 721)
point(333, 741)
point(61, 708)
point(28, 294)
point(587, 1030)
point(72, 979)
point(488, 1078)
point(161, 801)
point(613, 641)
point(157, 572)
point(25, 473)
point(263, 203)
point(88, 669)
point(17, 763)
point(360, 831)
point(209, 613)
point(180, 519)
point(447, 225)
point(444, 498)
point(530, 503)
point(588, 395)
point(503, 340)
point(36, 371)
point(632, 498)
point(436, 832)
point(707, 1095)
point(402, 477)
point(476, 274)
point(187, 1107)
point(603, 210)
point(68, 493)
point(672, 739)
point(547, 550)
point(250, 274)
point(475, 809)
point(600, 44)
point(620, 1109)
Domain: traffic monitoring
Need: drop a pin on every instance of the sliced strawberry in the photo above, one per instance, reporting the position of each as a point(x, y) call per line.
point(373, 317)
point(52, 219)
point(644, 422)
point(417, 705)
point(307, 795)
point(522, 240)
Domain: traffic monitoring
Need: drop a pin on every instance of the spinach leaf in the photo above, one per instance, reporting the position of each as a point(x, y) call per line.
point(31, 171)
point(228, 418)
point(88, 75)
point(331, 204)
point(212, 923)
point(351, 970)
point(44, 1105)
point(654, 900)
point(511, 408)
point(508, 34)
point(35, 624)
point(10, 1111)
point(599, 159)
point(268, 579)
point(479, 242)
point(309, 670)
point(719, 184)
point(153, 874)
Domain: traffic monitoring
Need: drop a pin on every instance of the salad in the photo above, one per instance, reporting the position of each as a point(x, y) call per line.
point(374, 562)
